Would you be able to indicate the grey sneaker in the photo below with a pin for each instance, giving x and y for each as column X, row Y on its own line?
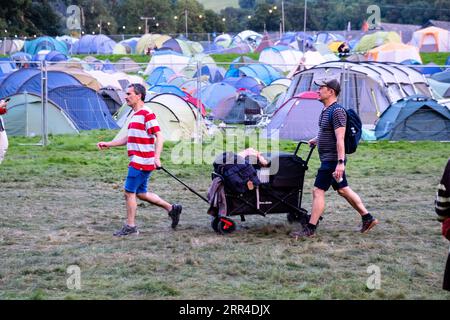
column 305, row 233
column 174, row 214
column 126, row 230
column 367, row 225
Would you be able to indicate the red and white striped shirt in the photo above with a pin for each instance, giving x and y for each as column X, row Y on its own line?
column 141, row 139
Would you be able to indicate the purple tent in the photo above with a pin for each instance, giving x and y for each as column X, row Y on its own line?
column 297, row 119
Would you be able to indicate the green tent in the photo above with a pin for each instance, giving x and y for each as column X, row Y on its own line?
column 24, row 117
column 377, row 39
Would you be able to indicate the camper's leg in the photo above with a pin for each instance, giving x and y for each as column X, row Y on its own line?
column 153, row 198
column 3, row 144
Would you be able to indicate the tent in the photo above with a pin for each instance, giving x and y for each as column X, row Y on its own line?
column 83, row 77
column 8, row 47
column 6, row 66
column 95, row 44
column 160, row 75
column 150, row 41
column 127, row 64
column 214, row 73
column 281, row 57
column 118, row 80
column 167, row 88
column 52, row 56
column 273, row 90
column 84, row 107
column 394, row 52
column 213, row 94
column 266, row 73
column 443, row 76
column 431, row 39
column 29, row 80
column 367, row 87
column 247, row 83
column 177, row 45
column 297, row 119
column 414, row 118
column 265, row 43
column 24, row 117
column 377, row 39
column 114, row 98
column 242, row 109
column 429, row 68
column 44, row 43
column 223, row 40
column 176, row 117
column 171, row 59
column 249, row 37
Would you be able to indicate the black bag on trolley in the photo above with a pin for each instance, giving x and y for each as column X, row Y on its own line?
column 239, row 175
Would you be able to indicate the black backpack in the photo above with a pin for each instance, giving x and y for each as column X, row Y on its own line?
column 353, row 129
column 236, row 172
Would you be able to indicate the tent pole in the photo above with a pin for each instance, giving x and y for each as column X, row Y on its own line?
column 44, row 103
column 199, row 102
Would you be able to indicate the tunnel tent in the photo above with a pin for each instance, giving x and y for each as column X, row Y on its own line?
column 24, row 117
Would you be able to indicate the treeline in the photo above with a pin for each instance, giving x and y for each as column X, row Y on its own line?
column 51, row 17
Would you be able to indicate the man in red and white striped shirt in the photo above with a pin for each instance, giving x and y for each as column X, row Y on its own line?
column 144, row 144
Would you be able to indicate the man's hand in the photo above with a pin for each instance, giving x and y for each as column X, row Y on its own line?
column 313, row 142
column 103, row 145
column 158, row 162
column 3, row 109
column 338, row 173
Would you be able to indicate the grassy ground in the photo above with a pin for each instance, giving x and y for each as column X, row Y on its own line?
column 61, row 203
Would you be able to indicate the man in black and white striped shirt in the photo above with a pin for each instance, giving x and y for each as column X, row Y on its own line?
column 331, row 146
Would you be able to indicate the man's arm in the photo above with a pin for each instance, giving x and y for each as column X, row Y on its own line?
column 340, row 146
column 114, row 143
column 159, row 143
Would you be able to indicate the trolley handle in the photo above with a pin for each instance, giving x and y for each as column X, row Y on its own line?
column 311, row 149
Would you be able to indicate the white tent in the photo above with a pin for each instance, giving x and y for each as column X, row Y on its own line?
column 368, row 87
column 281, row 57
column 173, row 60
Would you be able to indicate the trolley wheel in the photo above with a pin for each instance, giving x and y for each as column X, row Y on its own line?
column 226, row 225
column 215, row 223
column 293, row 217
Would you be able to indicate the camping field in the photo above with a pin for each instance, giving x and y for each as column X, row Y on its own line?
column 60, row 205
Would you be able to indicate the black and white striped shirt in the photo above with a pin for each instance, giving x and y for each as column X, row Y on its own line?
column 442, row 203
column 326, row 139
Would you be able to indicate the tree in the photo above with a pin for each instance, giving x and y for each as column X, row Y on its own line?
column 247, row 4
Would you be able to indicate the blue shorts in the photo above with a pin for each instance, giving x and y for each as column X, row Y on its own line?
column 137, row 180
column 325, row 179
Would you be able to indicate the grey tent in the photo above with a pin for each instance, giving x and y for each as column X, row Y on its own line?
column 24, row 117
column 367, row 87
column 414, row 118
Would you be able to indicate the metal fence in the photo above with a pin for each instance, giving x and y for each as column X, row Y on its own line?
column 67, row 97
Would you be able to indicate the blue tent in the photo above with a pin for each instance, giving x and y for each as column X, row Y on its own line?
column 264, row 72
column 429, row 68
column 6, row 66
column 160, row 75
column 29, row 80
column 84, row 106
column 414, row 118
column 213, row 94
column 53, row 56
column 214, row 73
column 443, row 76
column 245, row 82
column 44, row 43
column 162, row 88
column 97, row 44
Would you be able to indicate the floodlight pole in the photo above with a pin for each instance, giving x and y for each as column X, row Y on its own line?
column 186, row 21
column 282, row 17
column 146, row 25
column 304, row 26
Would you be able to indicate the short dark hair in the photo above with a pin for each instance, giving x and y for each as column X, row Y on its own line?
column 138, row 89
